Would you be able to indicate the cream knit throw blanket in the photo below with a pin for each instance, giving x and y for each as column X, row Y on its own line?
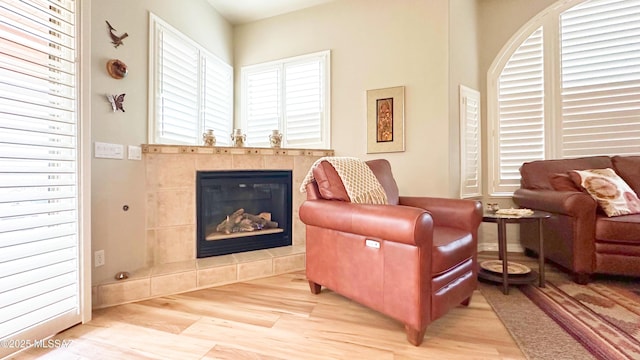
column 361, row 184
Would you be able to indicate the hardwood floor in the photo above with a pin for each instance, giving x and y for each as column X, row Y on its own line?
column 275, row 318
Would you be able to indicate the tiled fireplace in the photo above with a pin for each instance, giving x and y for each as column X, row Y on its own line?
column 171, row 226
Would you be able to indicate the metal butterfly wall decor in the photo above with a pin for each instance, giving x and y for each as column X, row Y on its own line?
column 116, row 102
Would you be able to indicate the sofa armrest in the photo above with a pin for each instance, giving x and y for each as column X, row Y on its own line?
column 385, row 222
column 456, row 213
column 570, row 203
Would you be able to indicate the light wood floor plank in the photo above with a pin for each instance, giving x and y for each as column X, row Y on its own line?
column 276, row 318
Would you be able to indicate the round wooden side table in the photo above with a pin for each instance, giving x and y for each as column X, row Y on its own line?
column 505, row 278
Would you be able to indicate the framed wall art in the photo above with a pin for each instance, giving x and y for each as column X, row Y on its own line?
column 385, row 120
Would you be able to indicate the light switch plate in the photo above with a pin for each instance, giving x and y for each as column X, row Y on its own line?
column 134, row 152
column 108, row 151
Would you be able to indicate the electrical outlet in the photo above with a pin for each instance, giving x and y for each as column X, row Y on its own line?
column 98, row 258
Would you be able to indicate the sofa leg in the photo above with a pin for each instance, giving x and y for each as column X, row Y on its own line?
column 581, row 278
column 530, row 253
column 414, row 336
column 315, row 288
column 466, row 301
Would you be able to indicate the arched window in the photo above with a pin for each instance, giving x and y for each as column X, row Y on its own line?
column 568, row 85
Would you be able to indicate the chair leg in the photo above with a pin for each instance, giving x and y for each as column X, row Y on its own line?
column 315, row 288
column 466, row 301
column 414, row 336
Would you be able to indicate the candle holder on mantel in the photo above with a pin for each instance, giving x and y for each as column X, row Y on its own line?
column 275, row 139
column 238, row 138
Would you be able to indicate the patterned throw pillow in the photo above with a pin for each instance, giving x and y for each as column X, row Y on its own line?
column 612, row 193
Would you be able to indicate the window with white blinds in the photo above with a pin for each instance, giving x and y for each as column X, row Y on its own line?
column 192, row 89
column 470, row 144
column 39, row 206
column 290, row 95
column 601, row 78
column 594, row 108
column 520, row 130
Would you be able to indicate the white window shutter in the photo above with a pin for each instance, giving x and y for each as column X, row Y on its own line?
column 39, row 217
column 303, row 103
column 263, row 104
column 290, row 95
column 470, row 143
column 191, row 90
column 177, row 108
column 218, row 105
column 521, row 135
column 601, row 79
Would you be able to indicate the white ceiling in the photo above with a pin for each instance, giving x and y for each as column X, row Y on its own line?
column 244, row 11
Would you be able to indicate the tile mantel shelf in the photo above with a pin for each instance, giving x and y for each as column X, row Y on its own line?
column 227, row 150
column 171, row 266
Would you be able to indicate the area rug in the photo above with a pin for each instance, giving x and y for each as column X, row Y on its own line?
column 603, row 316
column 564, row 320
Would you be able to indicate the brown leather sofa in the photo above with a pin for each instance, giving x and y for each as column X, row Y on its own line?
column 579, row 236
column 422, row 255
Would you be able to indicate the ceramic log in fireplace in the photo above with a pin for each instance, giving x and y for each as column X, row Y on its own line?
column 236, row 196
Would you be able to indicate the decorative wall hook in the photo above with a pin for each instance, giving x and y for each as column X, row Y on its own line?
column 116, row 102
column 117, row 69
column 115, row 39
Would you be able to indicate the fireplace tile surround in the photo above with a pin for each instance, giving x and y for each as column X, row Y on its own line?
column 171, row 264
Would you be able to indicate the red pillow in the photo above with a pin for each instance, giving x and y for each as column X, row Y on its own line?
column 329, row 182
column 563, row 182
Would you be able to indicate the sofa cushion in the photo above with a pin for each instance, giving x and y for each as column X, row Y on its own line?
column 611, row 192
column 563, row 182
column 628, row 167
column 535, row 174
column 620, row 229
column 329, row 183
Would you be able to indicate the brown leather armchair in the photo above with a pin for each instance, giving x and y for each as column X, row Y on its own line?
column 413, row 259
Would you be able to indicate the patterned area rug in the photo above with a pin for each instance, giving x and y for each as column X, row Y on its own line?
column 603, row 316
column 564, row 320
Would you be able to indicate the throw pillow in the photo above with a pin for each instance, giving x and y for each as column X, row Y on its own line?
column 329, row 183
column 611, row 192
column 562, row 182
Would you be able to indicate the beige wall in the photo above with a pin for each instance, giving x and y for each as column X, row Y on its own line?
column 116, row 183
column 374, row 44
column 463, row 70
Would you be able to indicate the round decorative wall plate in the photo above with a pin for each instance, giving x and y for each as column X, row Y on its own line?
column 117, row 69
column 513, row 268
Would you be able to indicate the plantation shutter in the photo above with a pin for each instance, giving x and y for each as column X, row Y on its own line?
column 177, row 106
column 218, row 104
column 521, row 113
column 470, row 185
column 191, row 89
column 601, row 79
column 290, row 95
column 263, row 104
column 39, row 240
column 303, row 103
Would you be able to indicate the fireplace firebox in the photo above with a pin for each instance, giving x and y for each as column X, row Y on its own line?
column 241, row 211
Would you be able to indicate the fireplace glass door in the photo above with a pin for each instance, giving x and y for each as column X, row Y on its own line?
column 241, row 211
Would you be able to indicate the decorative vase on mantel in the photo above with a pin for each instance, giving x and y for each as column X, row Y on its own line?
column 208, row 138
column 238, row 138
column 275, row 139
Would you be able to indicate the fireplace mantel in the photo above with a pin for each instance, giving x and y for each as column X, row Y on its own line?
column 171, row 261
column 226, row 150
